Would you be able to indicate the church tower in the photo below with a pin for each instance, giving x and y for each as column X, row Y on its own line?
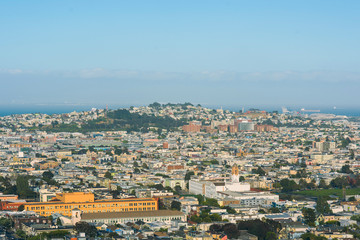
column 235, row 173
column 75, row 216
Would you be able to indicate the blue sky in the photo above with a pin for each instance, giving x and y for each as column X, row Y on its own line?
column 208, row 52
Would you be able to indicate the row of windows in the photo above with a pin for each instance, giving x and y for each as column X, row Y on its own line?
column 90, row 206
column 145, row 219
column 67, row 212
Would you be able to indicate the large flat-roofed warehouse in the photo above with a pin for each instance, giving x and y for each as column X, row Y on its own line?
column 123, row 217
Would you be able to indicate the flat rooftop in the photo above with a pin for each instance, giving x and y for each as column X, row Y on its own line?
column 96, row 201
column 159, row 213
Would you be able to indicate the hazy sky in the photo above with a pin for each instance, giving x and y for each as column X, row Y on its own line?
column 209, row 52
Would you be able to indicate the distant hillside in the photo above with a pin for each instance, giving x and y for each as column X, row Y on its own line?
column 117, row 120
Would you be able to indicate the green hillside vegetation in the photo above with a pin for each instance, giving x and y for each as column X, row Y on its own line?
column 327, row 192
column 118, row 120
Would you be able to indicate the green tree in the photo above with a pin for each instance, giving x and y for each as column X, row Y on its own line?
column 229, row 209
column 322, row 184
column 215, row 217
column 277, row 185
column 288, row 185
column 188, row 175
column 195, row 218
column 345, row 142
column 322, row 206
column 274, row 210
column 271, row 236
column 85, row 227
column 231, row 230
column 22, row 187
column 352, row 199
column 301, row 173
column 200, row 198
column 211, row 202
column 260, row 228
column 339, row 182
column 113, row 235
column 346, row 169
column 6, row 223
column 311, row 236
column 48, row 175
column 58, row 222
column 302, row 184
column 175, row 205
column 309, row 216
column 157, row 186
column 21, row 233
column 108, row 175
column 177, row 189
column 259, row 171
column 21, row 208
column 115, row 193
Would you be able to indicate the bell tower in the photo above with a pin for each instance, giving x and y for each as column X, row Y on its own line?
column 235, row 173
column 75, row 216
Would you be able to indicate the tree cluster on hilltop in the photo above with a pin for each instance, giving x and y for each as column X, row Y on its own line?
column 122, row 120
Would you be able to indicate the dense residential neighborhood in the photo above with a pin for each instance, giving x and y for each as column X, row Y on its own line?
column 179, row 171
